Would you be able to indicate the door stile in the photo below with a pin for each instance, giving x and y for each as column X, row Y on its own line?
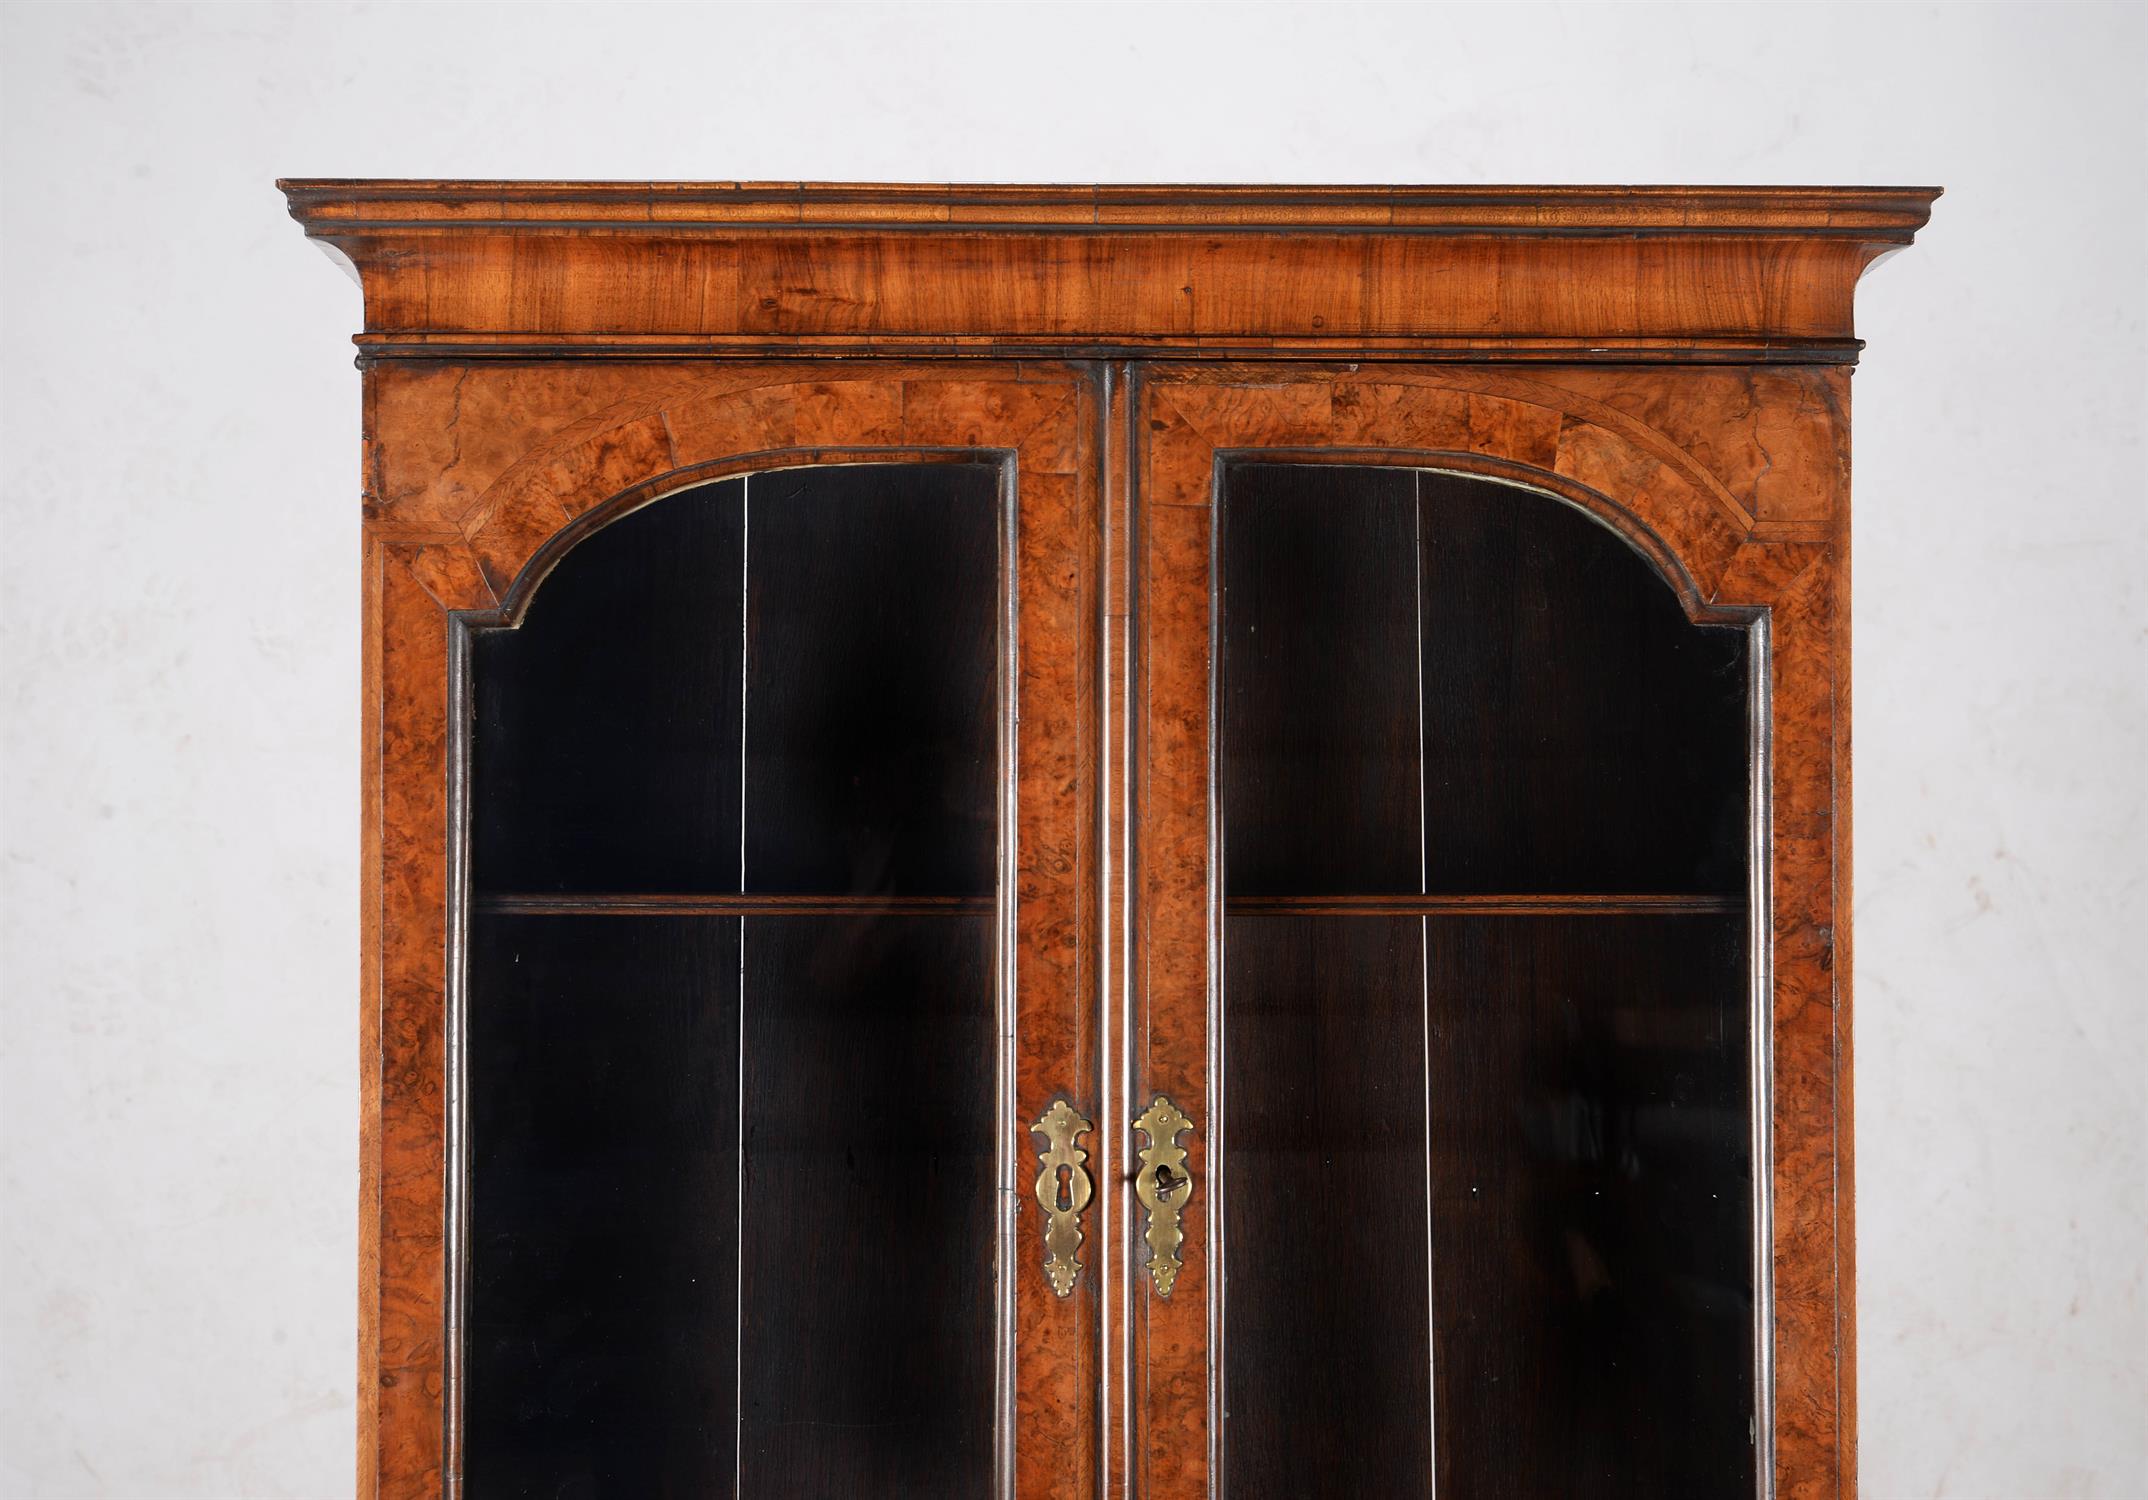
column 1174, row 967
column 1116, row 935
column 1053, row 1406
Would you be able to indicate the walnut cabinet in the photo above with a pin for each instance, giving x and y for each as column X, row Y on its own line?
column 1127, row 842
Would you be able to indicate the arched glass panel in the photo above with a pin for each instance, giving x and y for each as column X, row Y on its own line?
column 731, row 1027
column 1486, row 1131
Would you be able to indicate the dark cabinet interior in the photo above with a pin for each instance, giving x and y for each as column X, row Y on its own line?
column 1485, row 1131
column 732, row 1037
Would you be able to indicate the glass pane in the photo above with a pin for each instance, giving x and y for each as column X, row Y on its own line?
column 1591, row 1205
column 1319, row 702
column 603, row 1229
column 732, row 1022
column 1579, row 733
column 1486, row 1179
column 605, row 753
column 871, row 694
column 869, row 1206
column 1324, row 1208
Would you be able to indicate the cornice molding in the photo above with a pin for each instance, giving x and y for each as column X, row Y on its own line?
column 1891, row 213
column 464, row 270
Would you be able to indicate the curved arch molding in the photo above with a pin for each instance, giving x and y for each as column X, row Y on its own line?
column 1717, row 480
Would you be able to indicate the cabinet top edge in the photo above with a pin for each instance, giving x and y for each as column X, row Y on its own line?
column 1886, row 214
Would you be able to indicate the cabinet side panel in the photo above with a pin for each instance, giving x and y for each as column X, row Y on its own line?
column 370, row 997
column 413, row 915
column 1830, row 485
column 1812, row 1294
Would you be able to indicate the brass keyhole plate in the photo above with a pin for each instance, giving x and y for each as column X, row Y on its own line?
column 1063, row 1191
column 1163, row 1185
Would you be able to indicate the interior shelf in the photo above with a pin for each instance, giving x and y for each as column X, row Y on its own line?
column 1487, row 905
column 542, row 903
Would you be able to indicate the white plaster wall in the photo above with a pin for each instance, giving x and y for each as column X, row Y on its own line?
column 179, row 543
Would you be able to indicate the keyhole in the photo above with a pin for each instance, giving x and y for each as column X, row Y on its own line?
column 1066, row 1188
column 1164, row 1180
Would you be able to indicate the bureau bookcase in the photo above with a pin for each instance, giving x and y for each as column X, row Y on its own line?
column 1129, row 842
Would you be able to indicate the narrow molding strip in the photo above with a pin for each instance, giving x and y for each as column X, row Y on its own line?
column 463, row 348
column 1894, row 213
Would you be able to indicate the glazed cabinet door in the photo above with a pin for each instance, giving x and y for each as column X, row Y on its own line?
column 771, row 825
column 1449, row 967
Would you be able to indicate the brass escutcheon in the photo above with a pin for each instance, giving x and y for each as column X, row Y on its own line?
column 1163, row 1186
column 1063, row 1190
